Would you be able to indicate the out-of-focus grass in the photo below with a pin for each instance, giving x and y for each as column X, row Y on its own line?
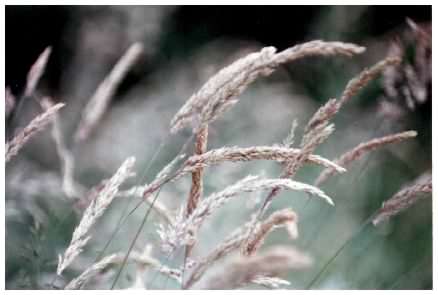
column 397, row 255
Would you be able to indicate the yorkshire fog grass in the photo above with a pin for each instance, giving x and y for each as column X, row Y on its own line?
column 247, row 254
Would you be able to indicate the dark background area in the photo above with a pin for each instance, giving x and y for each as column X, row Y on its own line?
column 30, row 29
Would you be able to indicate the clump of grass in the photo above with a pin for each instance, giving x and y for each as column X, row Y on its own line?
column 250, row 265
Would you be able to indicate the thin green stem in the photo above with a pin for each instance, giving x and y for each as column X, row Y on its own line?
column 131, row 246
column 122, row 220
column 336, row 254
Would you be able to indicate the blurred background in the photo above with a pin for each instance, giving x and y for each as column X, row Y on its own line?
column 183, row 47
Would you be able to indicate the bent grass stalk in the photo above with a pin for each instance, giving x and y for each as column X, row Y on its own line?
column 36, row 125
column 36, row 71
column 405, row 198
column 363, row 148
column 99, row 102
